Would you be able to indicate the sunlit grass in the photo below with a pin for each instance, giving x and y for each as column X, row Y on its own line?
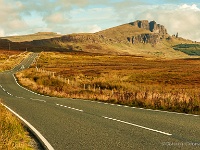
column 12, row 132
column 9, row 59
column 135, row 81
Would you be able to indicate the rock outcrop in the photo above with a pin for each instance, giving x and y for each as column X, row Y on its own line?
column 144, row 38
column 158, row 32
column 151, row 26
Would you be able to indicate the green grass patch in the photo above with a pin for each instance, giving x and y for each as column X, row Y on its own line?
column 190, row 49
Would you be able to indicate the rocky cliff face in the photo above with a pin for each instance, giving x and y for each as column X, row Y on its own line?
column 151, row 26
column 144, row 38
column 158, row 32
column 130, row 33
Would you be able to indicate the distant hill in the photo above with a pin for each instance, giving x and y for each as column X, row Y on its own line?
column 140, row 37
column 31, row 37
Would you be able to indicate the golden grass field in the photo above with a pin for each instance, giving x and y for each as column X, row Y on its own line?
column 12, row 132
column 172, row 85
column 8, row 59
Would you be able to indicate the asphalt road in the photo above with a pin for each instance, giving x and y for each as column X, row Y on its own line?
column 76, row 124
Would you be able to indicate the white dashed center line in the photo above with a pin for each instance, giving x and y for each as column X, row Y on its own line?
column 139, row 126
column 20, row 97
column 38, row 100
column 70, row 108
column 9, row 94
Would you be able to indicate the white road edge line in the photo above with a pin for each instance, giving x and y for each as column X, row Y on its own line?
column 155, row 110
column 114, row 105
column 28, row 89
column 143, row 127
column 38, row 134
column 146, row 109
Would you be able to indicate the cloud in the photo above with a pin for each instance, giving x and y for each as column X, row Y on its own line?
column 10, row 18
column 189, row 7
column 2, row 34
column 72, row 16
column 183, row 19
column 94, row 28
column 55, row 18
column 174, row 15
column 89, row 20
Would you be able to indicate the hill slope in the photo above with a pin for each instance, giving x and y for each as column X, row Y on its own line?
column 136, row 38
column 190, row 49
column 31, row 37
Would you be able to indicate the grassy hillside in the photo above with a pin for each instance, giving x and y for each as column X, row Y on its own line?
column 116, row 40
column 190, row 49
column 120, row 33
column 112, row 41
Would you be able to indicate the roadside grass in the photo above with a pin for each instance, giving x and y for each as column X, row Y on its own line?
column 12, row 132
column 8, row 59
column 172, row 85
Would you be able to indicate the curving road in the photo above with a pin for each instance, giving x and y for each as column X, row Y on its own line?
column 90, row 125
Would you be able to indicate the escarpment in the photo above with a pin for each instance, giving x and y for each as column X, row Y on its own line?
column 157, row 32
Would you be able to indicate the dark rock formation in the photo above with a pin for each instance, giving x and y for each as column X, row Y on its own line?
column 158, row 32
column 157, row 28
column 144, row 38
column 151, row 26
column 177, row 35
column 144, row 24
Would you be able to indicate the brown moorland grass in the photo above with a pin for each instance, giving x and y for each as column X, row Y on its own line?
column 12, row 132
column 8, row 59
column 172, row 85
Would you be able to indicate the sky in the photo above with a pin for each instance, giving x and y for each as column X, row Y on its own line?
column 20, row 17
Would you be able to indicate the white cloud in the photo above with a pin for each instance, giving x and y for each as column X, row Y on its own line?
column 2, row 34
column 10, row 18
column 55, row 18
column 189, row 7
column 183, row 19
column 16, row 24
column 72, row 16
column 94, row 28
column 84, row 18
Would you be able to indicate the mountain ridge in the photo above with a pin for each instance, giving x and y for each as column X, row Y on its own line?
column 31, row 37
column 140, row 37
